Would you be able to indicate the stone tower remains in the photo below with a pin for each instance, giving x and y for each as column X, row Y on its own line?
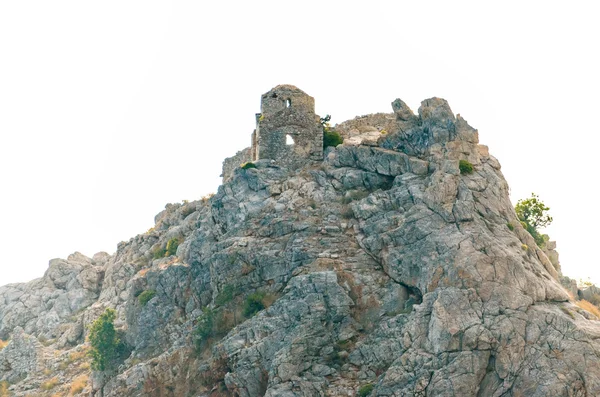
column 287, row 129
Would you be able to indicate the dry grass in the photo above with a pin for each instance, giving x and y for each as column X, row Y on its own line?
column 214, row 378
column 269, row 299
column 76, row 356
column 206, row 198
column 3, row 344
column 84, row 366
column 588, row 306
column 49, row 384
column 4, row 389
column 247, row 269
column 78, row 385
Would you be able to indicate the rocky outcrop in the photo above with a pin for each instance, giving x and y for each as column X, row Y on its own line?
column 383, row 267
column 50, row 308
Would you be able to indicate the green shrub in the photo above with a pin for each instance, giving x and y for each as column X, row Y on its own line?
column 533, row 214
column 106, row 344
column 254, row 303
column 331, row 138
column 145, row 296
column 248, row 165
column 365, row 390
column 204, row 328
column 465, row 167
column 212, row 324
column 510, row 226
column 172, row 245
column 159, row 253
column 226, row 295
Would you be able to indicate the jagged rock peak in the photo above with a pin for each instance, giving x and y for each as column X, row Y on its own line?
column 378, row 266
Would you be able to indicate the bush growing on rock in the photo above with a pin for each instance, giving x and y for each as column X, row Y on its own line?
column 172, row 245
column 248, row 165
column 465, row 167
column 170, row 249
column 533, row 214
column 205, row 326
column 365, row 390
column 331, row 138
column 107, row 346
column 254, row 303
column 226, row 295
column 212, row 324
column 145, row 296
column 158, row 253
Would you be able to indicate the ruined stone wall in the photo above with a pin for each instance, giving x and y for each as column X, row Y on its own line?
column 288, row 114
column 231, row 163
column 283, row 96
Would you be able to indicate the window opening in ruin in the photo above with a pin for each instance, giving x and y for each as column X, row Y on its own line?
column 288, row 103
column 289, row 140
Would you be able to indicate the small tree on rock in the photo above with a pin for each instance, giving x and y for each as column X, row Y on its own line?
column 107, row 346
column 533, row 214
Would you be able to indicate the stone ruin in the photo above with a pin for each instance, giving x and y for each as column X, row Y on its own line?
column 288, row 131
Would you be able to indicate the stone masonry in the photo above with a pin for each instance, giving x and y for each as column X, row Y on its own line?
column 287, row 132
column 287, row 115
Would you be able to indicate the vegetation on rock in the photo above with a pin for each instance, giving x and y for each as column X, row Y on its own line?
column 172, row 245
column 145, row 296
column 226, row 295
column 170, row 249
column 248, row 165
column 588, row 306
column 204, row 329
column 212, row 324
column 533, row 214
column 465, row 167
column 330, row 136
column 4, row 389
column 78, row 385
column 159, row 253
column 254, row 303
column 365, row 390
column 49, row 384
column 107, row 346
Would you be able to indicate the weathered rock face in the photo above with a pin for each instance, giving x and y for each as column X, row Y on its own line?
column 382, row 266
column 49, row 308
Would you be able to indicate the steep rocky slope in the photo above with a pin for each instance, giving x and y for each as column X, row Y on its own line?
column 382, row 268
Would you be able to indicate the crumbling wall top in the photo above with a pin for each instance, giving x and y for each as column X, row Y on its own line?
column 286, row 96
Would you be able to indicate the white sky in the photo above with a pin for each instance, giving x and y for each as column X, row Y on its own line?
column 109, row 110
